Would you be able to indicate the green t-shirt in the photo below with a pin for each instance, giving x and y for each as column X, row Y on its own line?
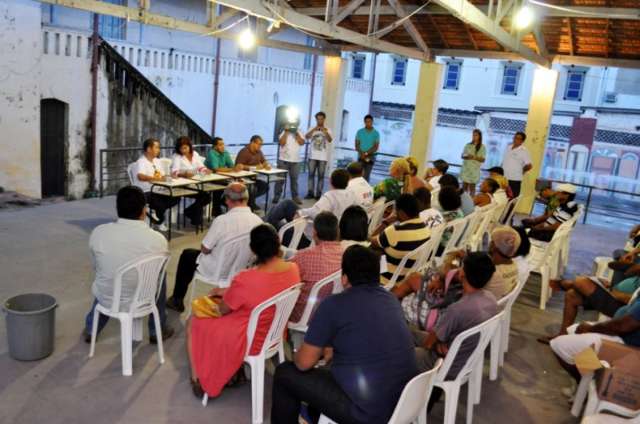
column 628, row 285
column 217, row 160
column 367, row 138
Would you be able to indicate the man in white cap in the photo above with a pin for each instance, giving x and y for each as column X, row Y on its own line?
column 543, row 227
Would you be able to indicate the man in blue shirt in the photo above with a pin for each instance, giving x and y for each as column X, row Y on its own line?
column 367, row 143
column 363, row 334
column 624, row 328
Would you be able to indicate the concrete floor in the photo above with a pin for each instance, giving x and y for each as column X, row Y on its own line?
column 44, row 249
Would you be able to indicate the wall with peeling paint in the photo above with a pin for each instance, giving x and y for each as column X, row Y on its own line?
column 20, row 72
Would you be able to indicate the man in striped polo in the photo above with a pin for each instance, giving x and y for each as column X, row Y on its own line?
column 401, row 238
column 543, row 227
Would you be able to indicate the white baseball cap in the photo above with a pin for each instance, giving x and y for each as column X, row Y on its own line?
column 567, row 188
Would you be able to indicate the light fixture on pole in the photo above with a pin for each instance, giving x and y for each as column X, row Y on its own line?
column 246, row 39
column 523, row 18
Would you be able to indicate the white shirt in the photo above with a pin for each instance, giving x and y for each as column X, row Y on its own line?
column 319, row 144
column 290, row 152
column 146, row 167
column 238, row 221
column 434, row 182
column 500, row 197
column 432, row 217
column 361, row 191
column 334, row 201
column 113, row 245
column 513, row 162
column 180, row 164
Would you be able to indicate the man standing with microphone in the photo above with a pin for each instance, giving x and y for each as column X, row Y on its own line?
column 319, row 138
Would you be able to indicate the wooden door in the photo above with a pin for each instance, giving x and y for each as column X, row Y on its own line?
column 53, row 136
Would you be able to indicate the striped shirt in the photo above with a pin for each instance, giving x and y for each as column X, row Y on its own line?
column 562, row 213
column 398, row 240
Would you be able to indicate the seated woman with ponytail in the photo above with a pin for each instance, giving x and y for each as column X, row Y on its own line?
column 399, row 181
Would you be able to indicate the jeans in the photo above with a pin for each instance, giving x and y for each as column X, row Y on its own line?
column 320, row 166
column 515, row 187
column 294, row 169
column 184, row 274
column 316, row 387
column 103, row 319
column 367, row 167
column 160, row 204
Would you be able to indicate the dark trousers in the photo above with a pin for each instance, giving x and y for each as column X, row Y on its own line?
column 515, row 187
column 194, row 212
column 160, row 204
column 316, row 387
column 184, row 274
column 367, row 167
column 103, row 319
column 259, row 188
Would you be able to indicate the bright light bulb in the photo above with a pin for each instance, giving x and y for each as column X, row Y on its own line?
column 246, row 39
column 523, row 17
column 292, row 115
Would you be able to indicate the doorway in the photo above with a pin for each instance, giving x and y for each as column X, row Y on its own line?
column 53, row 137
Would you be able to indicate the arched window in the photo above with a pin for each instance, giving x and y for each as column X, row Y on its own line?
column 628, row 165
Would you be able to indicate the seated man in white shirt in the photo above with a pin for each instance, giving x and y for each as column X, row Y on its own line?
column 237, row 221
column 335, row 201
column 430, row 215
column 113, row 245
column 358, row 186
column 148, row 170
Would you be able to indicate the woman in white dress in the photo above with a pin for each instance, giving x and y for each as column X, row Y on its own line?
column 187, row 163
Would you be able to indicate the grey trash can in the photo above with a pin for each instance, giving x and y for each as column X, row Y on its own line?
column 30, row 325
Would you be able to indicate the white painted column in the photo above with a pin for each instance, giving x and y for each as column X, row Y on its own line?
column 543, row 93
column 426, row 111
column 333, row 89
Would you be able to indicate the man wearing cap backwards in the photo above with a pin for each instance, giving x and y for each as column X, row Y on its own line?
column 237, row 221
column 543, row 227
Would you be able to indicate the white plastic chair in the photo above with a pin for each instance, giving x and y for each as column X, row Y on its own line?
column 283, row 304
column 500, row 341
column 413, row 402
column 488, row 216
column 420, row 257
column 566, row 244
column 376, row 213
column 470, row 373
column 130, row 173
column 596, row 405
column 458, row 231
column 298, row 225
column 510, row 210
column 303, row 324
column 601, row 267
column 150, row 270
column 232, row 256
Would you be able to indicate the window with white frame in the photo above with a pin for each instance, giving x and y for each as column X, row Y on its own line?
column 575, row 84
column 357, row 69
column 511, row 78
column 452, row 74
column 399, row 71
column 308, row 57
column 110, row 26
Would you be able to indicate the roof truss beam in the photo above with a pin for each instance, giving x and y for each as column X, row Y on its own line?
column 296, row 19
column 409, row 26
column 540, row 43
column 346, row 11
column 169, row 22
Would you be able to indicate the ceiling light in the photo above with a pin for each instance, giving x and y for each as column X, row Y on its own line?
column 523, row 17
column 246, row 39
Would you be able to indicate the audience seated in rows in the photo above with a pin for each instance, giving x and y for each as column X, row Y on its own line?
column 497, row 173
column 466, row 201
column 431, row 216
column 449, row 205
column 403, row 237
column 415, row 181
column 543, row 227
column 186, row 163
column 432, row 175
column 487, row 191
column 147, row 170
column 475, row 306
column 117, row 243
column 318, row 261
column 354, row 227
column 237, row 221
column 335, row 201
column 251, row 157
column 217, row 346
column 361, row 332
column 398, row 182
column 358, row 186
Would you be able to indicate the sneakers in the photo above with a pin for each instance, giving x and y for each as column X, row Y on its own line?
column 297, row 200
column 167, row 332
column 173, row 304
column 161, row 227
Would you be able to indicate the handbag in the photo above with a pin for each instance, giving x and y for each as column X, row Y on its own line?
column 206, row 307
column 434, row 303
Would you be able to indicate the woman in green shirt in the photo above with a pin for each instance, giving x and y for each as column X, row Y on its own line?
column 398, row 182
column 473, row 156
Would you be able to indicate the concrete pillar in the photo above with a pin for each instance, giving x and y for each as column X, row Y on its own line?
column 426, row 112
column 543, row 93
column 333, row 89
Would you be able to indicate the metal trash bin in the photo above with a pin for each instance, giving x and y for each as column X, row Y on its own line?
column 30, row 325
